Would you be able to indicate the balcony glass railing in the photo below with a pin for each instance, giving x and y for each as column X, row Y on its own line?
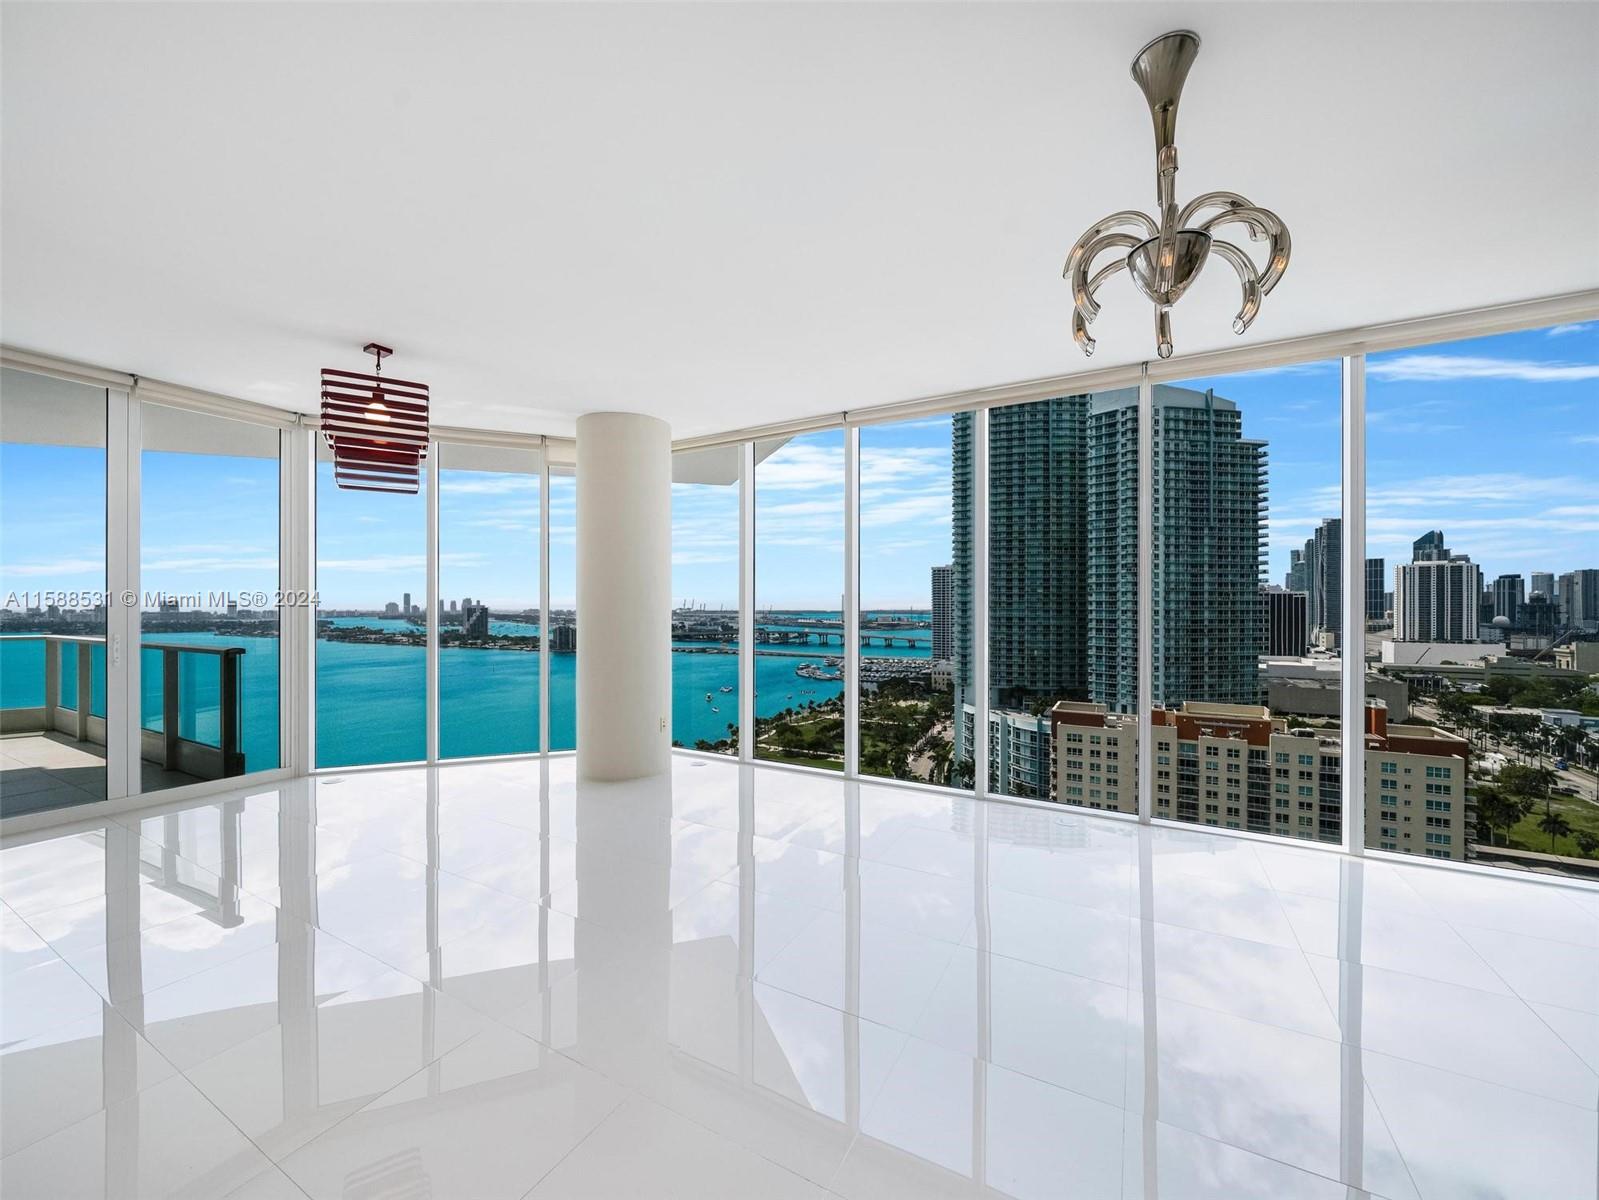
column 192, row 697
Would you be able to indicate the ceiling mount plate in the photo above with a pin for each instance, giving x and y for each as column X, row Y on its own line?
column 378, row 352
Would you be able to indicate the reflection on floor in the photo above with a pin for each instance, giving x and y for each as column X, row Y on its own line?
column 40, row 771
column 483, row 980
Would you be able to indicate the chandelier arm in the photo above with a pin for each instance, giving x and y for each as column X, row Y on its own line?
column 1248, row 277
column 1082, row 293
column 1206, row 200
column 1085, row 340
column 1128, row 216
column 1163, row 342
column 1262, row 223
column 1080, row 332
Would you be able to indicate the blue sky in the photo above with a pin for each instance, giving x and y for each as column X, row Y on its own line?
column 1494, row 440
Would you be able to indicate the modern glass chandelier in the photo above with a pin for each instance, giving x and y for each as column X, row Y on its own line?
column 1167, row 254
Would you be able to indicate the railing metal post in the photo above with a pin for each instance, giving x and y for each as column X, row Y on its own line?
column 232, row 760
column 85, row 688
column 52, row 682
column 169, row 708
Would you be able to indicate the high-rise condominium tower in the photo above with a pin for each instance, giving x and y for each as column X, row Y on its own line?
column 1376, row 597
column 1429, row 547
column 1324, row 577
column 1063, row 551
column 1579, row 599
column 1287, row 629
column 1298, row 577
column 943, row 613
column 1508, row 597
column 1436, row 600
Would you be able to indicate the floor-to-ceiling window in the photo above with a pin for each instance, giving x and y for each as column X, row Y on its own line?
column 53, row 587
column 209, row 573
column 1482, row 505
column 799, row 588
column 705, row 534
column 1247, row 554
column 371, row 632
column 562, row 640
column 489, row 636
column 1062, row 600
column 914, row 523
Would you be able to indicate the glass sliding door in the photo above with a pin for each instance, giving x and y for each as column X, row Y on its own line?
column 371, row 632
column 1490, row 591
column 53, row 587
column 489, row 636
column 1248, row 601
column 209, row 572
column 911, row 531
column 562, row 642
column 705, row 589
column 799, row 588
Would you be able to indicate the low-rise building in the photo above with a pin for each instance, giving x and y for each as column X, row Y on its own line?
column 1582, row 657
column 1096, row 757
column 1237, row 766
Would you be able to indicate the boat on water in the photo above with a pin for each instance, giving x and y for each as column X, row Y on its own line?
column 707, row 697
column 714, row 709
column 726, row 689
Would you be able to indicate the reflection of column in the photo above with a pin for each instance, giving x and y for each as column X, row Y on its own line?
column 1351, row 1072
column 119, row 1061
column 231, row 817
column 852, row 954
column 747, row 933
column 624, row 596
column 297, row 952
column 546, row 1020
column 985, row 1006
column 624, row 943
column 435, row 952
column 1146, row 962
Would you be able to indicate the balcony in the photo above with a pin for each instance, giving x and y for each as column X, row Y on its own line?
column 53, row 752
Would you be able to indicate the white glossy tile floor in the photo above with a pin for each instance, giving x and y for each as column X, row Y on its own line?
column 486, row 981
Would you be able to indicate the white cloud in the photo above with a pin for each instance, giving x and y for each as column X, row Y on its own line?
column 63, row 566
column 1563, row 330
column 1437, row 368
column 472, row 483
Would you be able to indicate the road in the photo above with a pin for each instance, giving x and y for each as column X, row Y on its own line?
column 1582, row 781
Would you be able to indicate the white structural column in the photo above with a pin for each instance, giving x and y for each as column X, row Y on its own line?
column 624, row 597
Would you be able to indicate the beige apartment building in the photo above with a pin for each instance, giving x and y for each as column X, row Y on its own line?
column 1238, row 767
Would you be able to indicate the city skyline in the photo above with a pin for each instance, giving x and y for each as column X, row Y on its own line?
column 1437, row 457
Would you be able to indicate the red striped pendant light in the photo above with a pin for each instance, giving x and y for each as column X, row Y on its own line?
column 377, row 428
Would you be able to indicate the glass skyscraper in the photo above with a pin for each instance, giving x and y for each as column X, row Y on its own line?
column 1063, row 552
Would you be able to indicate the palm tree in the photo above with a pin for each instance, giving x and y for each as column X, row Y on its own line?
column 1555, row 825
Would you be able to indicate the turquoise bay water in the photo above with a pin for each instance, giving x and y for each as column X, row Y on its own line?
column 371, row 699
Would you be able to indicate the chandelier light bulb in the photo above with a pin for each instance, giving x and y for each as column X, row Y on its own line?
column 1169, row 251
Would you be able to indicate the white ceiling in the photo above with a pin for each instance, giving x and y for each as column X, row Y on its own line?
column 724, row 214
